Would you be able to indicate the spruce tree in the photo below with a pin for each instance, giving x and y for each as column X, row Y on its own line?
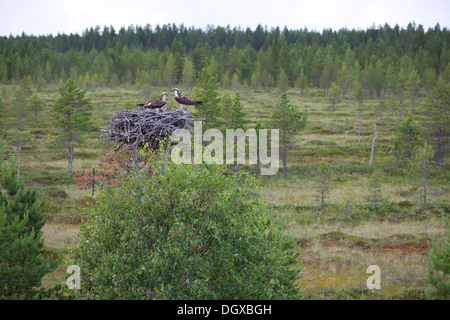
column 23, row 262
column 210, row 109
column 237, row 120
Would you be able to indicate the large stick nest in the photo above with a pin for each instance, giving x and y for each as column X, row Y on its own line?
column 139, row 126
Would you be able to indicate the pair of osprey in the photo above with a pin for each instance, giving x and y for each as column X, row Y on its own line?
column 162, row 103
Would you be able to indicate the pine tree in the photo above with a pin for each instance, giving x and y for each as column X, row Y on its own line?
column 334, row 95
column 392, row 103
column 301, row 82
column 22, row 257
column 36, row 104
column 420, row 167
column 400, row 85
column 412, row 83
column 283, row 81
column 407, row 139
column 72, row 117
column 19, row 104
column 359, row 95
column 437, row 108
column 374, row 197
column 290, row 122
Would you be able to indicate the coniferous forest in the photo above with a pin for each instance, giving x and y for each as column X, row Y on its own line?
column 382, row 59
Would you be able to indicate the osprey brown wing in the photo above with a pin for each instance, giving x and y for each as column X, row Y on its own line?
column 186, row 101
column 154, row 104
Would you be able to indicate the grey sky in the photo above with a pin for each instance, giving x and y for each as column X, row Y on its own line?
column 42, row 17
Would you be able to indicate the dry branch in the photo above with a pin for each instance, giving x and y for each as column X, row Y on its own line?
column 139, row 126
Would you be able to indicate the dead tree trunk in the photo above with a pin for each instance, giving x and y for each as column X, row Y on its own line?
column 373, row 143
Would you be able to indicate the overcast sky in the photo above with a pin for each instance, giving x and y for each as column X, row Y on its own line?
column 43, row 17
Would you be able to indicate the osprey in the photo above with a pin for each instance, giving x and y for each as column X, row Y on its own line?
column 182, row 100
column 157, row 103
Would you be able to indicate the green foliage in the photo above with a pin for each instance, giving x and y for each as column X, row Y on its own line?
column 106, row 57
column 19, row 107
column 420, row 167
column 283, row 81
column 2, row 108
column 392, row 103
column 210, row 109
column 412, row 83
column 189, row 232
column 290, row 122
column 302, row 82
column 237, row 120
column 19, row 138
column 438, row 277
column 23, row 262
column 407, row 139
column 227, row 104
column 375, row 197
column 359, row 95
column 437, row 108
column 72, row 113
column 349, row 207
column 335, row 94
column 36, row 103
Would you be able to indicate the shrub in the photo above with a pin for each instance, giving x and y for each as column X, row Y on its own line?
column 189, row 232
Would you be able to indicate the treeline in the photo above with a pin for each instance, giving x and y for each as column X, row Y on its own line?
column 382, row 60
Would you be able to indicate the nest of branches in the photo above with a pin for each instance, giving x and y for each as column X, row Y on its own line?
column 137, row 127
